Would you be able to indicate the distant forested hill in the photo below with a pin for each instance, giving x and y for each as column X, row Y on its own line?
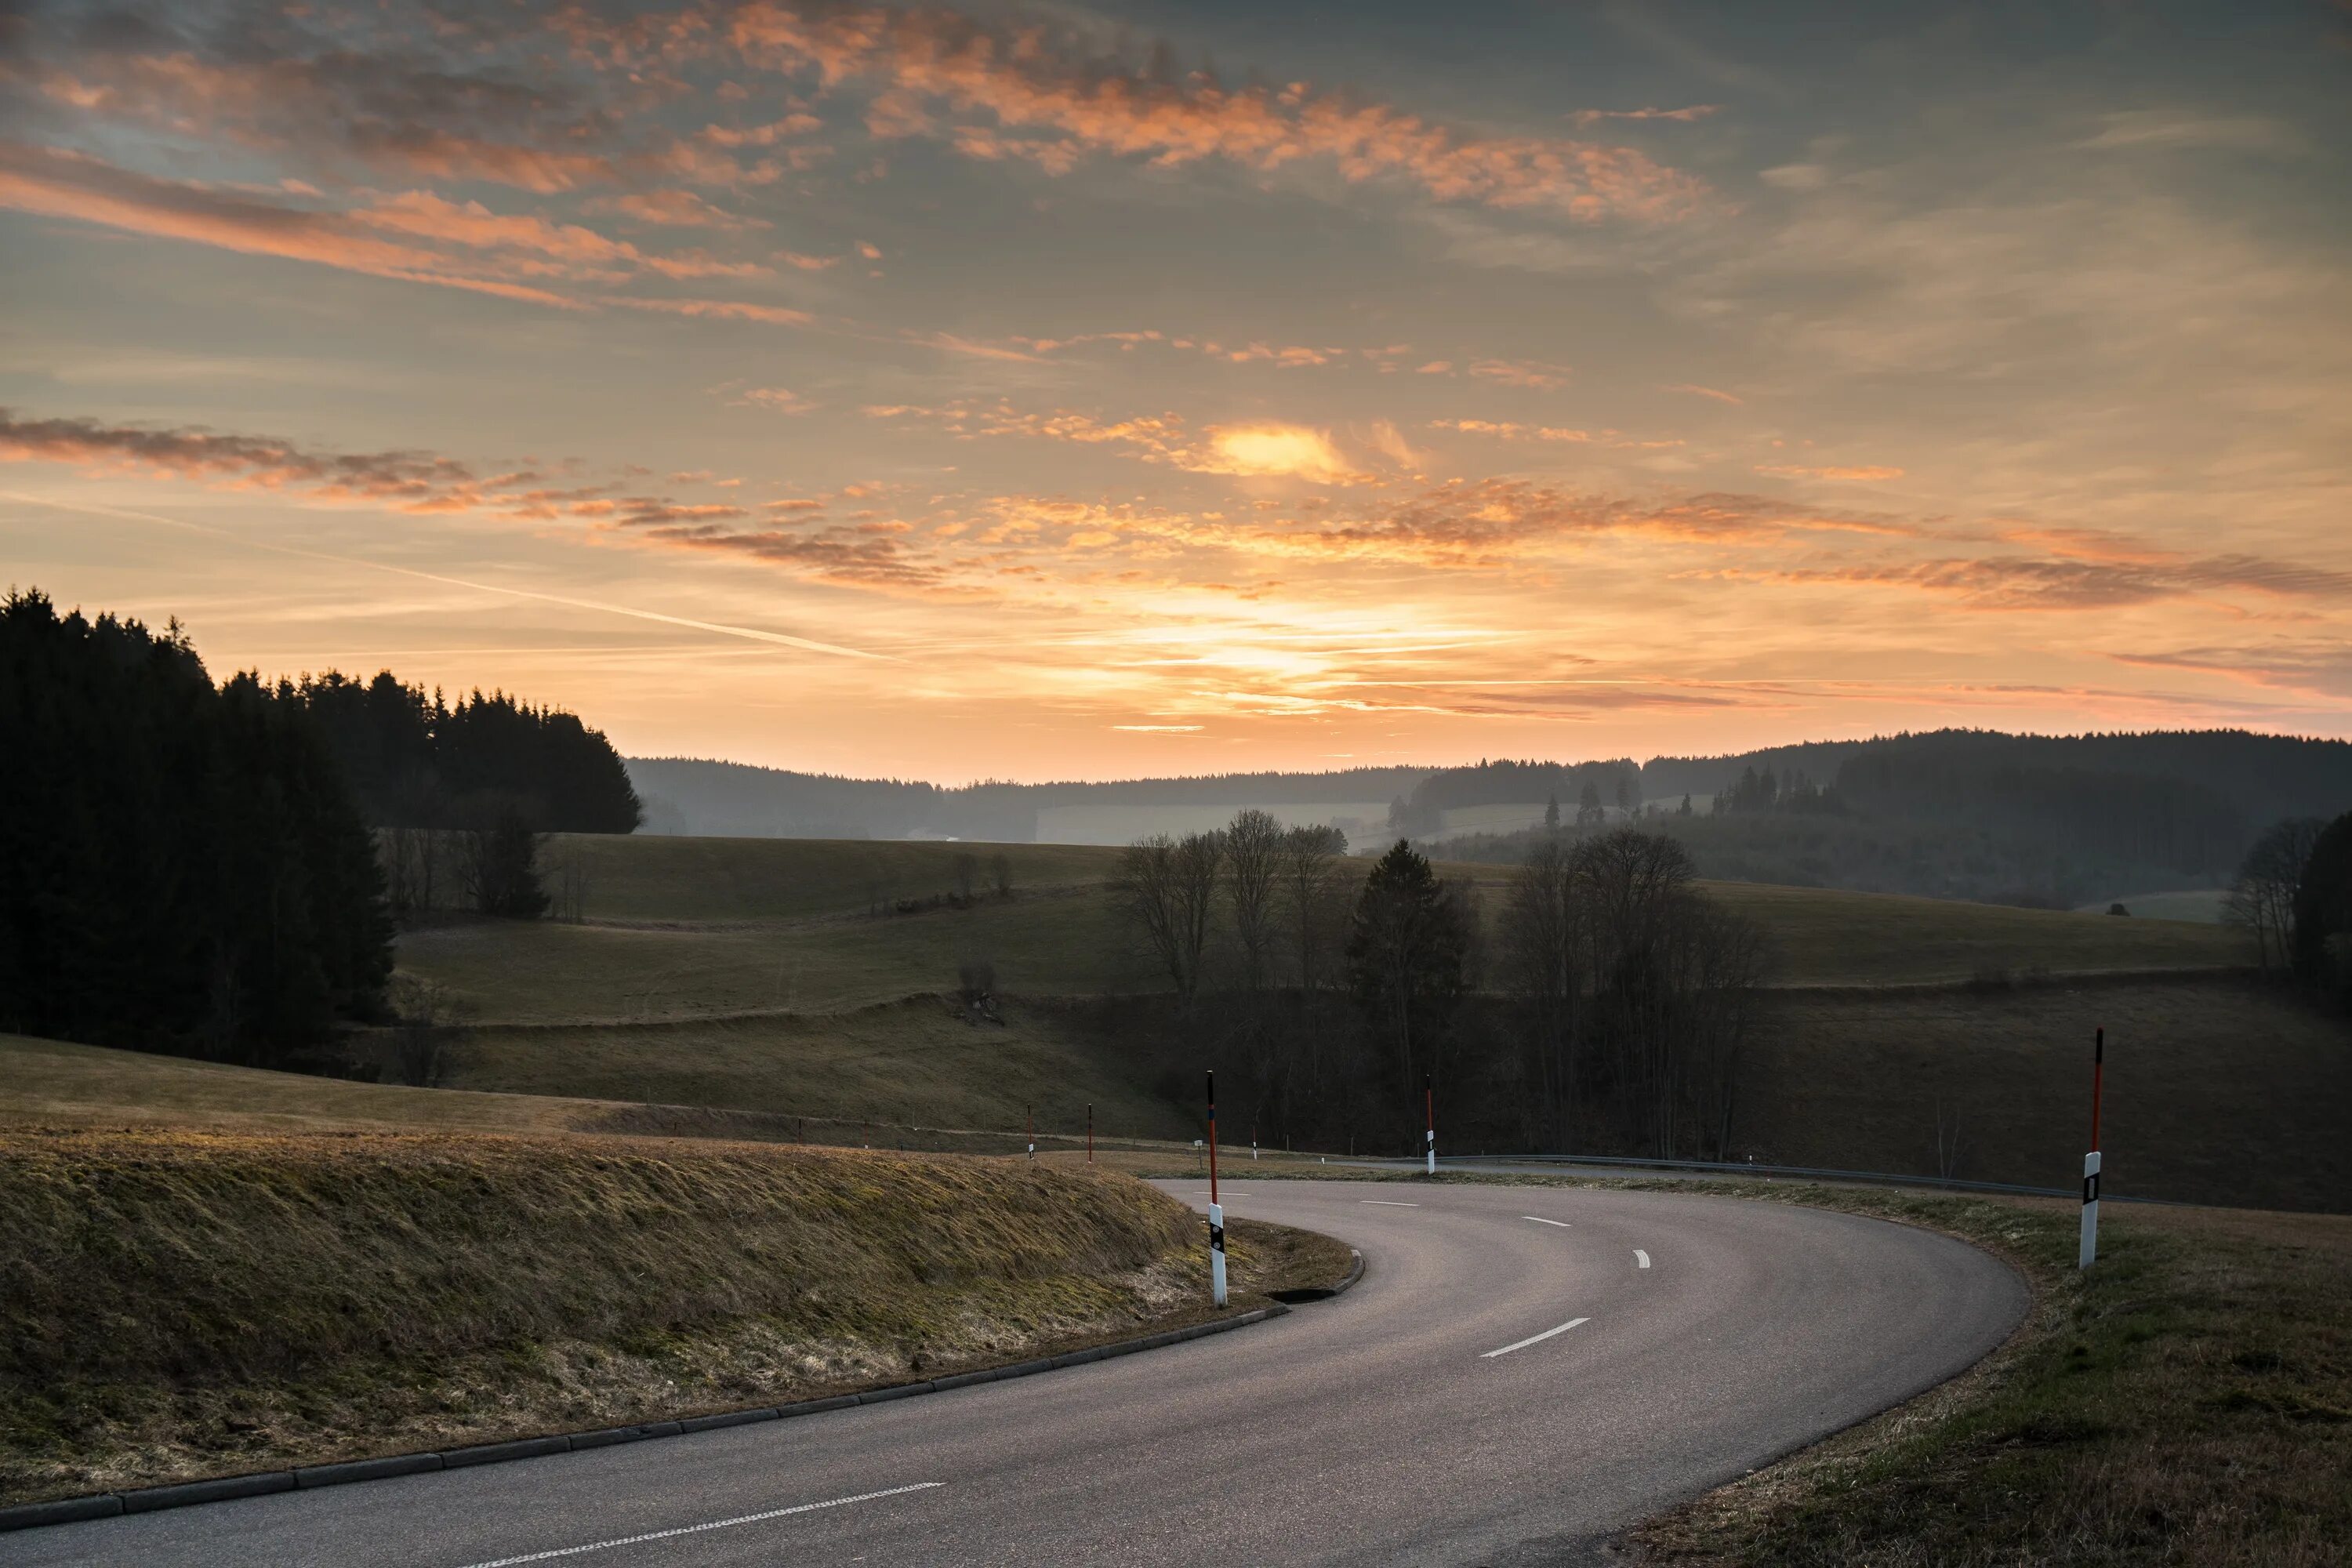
column 2031, row 819
column 1977, row 814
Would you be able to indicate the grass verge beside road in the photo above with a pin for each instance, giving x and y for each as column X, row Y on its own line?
column 177, row 1304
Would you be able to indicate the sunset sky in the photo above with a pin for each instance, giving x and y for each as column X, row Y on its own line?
column 1088, row 391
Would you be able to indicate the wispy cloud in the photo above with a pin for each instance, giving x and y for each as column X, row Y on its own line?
column 2161, row 130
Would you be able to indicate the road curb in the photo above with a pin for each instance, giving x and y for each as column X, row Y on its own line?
column 182, row 1494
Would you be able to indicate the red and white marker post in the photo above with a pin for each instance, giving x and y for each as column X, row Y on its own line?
column 1429, row 1109
column 1216, row 1210
column 2090, row 1250
column 1090, row 1132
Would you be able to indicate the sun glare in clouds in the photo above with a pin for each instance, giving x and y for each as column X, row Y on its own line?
column 1290, row 451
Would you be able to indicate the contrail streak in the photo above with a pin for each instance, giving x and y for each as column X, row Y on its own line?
column 782, row 639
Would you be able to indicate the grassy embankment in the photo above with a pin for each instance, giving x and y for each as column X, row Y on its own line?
column 176, row 1304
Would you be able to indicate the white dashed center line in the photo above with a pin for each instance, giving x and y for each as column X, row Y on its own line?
column 1641, row 1258
column 1533, row 1339
column 1541, row 1220
column 714, row 1524
column 1388, row 1203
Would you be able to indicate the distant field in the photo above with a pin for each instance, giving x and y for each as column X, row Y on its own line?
column 1050, row 944
column 659, row 878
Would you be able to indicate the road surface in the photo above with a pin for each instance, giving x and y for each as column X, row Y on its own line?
column 1521, row 1372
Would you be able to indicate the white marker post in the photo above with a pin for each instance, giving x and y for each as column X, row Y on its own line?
column 1429, row 1107
column 1033, row 1133
column 1216, row 1210
column 2090, row 1250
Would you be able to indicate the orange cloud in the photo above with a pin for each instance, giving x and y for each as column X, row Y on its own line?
column 672, row 209
column 1532, row 373
column 1509, row 431
column 58, row 183
column 717, row 310
column 1291, row 450
column 1793, row 471
column 2025, row 583
column 415, row 237
column 1028, row 79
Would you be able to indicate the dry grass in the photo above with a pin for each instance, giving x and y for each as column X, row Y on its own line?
column 175, row 1304
column 52, row 1082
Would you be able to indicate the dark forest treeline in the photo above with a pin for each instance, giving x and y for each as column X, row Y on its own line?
column 183, row 867
column 416, row 761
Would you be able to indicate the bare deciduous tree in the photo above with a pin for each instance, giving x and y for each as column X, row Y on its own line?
column 1542, row 958
column 1168, row 888
column 1253, row 849
column 1608, row 947
column 2262, row 900
column 1313, row 897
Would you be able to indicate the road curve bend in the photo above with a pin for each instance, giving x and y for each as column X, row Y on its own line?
column 1521, row 1372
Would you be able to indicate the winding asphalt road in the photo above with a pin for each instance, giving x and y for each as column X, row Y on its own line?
column 1439, row 1413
